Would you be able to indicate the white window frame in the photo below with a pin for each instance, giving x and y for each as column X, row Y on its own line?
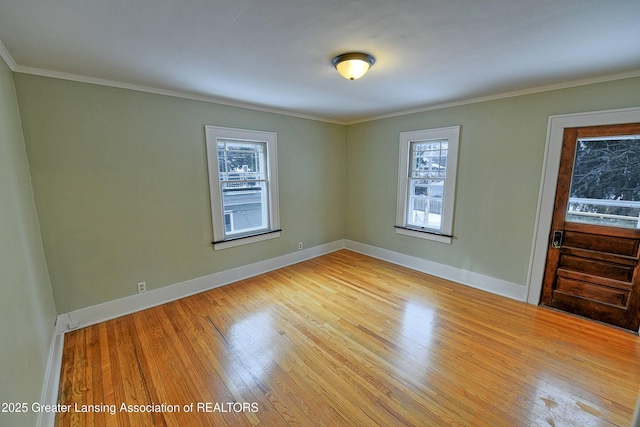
column 444, row 233
column 220, row 238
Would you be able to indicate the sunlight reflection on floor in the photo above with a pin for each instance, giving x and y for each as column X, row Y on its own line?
column 416, row 334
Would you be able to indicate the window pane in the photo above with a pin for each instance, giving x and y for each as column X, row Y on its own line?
column 242, row 166
column 605, row 187
column 425, row 203
column 245, row 207
column 428, row 159
column 241, row 160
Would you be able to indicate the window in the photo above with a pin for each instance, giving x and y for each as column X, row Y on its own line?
column 243, row 184
column 427, row 182
column 605, row 184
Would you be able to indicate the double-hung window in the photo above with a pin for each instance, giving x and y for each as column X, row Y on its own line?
column 243, row 182
column 427, row 182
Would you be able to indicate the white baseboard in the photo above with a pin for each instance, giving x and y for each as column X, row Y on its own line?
column 51, row 381
column 133, row 303
column 464, row 277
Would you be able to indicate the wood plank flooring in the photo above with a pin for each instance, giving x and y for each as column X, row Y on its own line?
column 348, row 340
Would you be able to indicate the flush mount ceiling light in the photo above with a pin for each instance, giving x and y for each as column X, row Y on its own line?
column 353, row 65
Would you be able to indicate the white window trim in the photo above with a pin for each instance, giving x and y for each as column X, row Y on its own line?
column 452, row 134
column 212, row 134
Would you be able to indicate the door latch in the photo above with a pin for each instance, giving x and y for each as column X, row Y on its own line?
column 556, row 242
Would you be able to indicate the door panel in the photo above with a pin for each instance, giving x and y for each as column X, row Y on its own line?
column 592, row 262
column 583, row 289
column 610, row 244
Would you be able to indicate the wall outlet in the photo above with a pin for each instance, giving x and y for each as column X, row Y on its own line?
column 142, row 287
column 299, row 245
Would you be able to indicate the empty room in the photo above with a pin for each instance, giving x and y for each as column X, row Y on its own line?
column 266, row 213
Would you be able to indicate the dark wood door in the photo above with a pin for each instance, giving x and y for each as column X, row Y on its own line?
column 592, row 261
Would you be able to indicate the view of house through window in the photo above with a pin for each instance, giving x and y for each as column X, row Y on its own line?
column 243, row 177
column 426, row 183
column 243, row 184
column 605, row 186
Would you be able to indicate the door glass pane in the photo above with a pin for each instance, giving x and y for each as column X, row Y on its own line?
column 605, row 187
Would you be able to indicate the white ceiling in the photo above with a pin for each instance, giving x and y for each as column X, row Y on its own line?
column 276, row 54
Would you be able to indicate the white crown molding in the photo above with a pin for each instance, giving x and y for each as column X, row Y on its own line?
column 166, row 92
column 6, row 56
column 504, row 95
column 222, row 101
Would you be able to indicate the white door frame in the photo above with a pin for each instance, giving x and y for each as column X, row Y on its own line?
column 546, row 197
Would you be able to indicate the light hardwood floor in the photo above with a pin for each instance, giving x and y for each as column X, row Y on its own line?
column 348, row 340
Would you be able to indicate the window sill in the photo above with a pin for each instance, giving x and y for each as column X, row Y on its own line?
column 225, row 244
column 427, row 235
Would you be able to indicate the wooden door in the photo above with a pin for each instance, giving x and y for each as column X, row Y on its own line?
column 592, row 261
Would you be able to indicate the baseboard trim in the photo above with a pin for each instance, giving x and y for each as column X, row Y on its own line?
column 464, row 277
column 52, row 380
column 134, row 303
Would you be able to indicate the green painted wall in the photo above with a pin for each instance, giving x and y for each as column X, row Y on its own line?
column 499, row 171
column 120, row 182
column 27, row 311
column 121, row 187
